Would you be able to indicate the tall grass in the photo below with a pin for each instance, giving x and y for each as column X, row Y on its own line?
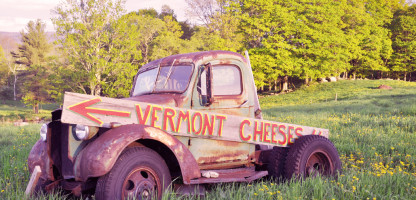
column 15, row 145
column 373, row 130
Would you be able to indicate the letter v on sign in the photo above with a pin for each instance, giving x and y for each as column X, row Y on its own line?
column 84, row 110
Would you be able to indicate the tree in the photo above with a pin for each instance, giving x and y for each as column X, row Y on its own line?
column 220, row 29
column 403, row 29
column 295, row 38
column 33, row 54
column 100, row 47
column 366, row 25
column 168, row 41
column 203, row 10
column 3, row 68
column 35, row 45
column 5, row 90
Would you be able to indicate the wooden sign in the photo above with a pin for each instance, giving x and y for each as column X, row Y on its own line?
column 101, row 111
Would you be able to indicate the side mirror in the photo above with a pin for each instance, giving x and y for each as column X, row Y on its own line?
column 204, row 86
column 208, row 69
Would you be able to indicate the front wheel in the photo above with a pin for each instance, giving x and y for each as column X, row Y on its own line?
column 312, row 155
column 139, row 173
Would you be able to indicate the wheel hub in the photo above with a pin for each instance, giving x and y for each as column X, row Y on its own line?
column 318, row 163
column 141, row 183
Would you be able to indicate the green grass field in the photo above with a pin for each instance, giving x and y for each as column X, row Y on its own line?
column 373, row 130
column 11, row 111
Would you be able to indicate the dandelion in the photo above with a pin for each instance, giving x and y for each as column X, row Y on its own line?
column 2, row 191
column 255, row 194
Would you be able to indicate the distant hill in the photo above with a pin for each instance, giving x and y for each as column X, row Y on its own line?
column 10, row 40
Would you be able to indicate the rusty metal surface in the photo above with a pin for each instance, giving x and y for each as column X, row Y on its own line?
column 212, row 154
column 247, row 174
column 98, row 157
column 261, row 157
column 39, row 156
column 167, row 99
column 193, row 58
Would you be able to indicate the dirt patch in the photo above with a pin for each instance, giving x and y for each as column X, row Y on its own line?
column 384, row 87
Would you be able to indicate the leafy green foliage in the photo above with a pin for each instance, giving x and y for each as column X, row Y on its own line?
column 35, row 45
column 404, row 36
column 32, row 53
column 3, row 68
column 99, row 45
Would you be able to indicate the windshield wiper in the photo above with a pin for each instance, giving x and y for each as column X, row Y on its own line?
column 169, row 73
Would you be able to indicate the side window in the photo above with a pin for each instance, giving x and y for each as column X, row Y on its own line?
column 226, row 80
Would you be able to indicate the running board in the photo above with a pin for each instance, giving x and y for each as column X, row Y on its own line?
column 231, row 175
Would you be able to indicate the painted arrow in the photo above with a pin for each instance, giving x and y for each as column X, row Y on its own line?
column 84, row 109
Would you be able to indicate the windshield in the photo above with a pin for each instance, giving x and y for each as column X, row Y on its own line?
column 170, row 79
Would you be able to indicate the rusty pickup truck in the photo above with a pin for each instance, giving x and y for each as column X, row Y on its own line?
column 191, row 119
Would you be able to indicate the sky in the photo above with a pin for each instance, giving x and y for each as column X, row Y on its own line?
column 15, row 14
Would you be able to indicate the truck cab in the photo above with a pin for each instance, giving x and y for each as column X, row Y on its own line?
column 217, row 81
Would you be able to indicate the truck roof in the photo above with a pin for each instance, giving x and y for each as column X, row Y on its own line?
column 194, row 58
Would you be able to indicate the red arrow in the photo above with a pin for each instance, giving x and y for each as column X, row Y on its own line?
column 84, row 110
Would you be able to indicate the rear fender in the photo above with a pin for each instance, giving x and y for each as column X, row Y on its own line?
column 99, row 156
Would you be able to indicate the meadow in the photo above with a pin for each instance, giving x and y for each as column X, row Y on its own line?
column 373, row 130
column 17, row 111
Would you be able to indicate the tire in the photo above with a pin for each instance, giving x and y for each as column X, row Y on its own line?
column 139, row 173
column 277, row 161
column 312, row 155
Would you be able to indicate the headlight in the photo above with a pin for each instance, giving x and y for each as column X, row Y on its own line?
column 81, row 131
column 85, row 132
column 43, row 131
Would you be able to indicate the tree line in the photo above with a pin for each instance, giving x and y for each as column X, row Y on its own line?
column 99, row 47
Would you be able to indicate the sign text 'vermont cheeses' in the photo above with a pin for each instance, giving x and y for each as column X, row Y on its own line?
column 100, row 110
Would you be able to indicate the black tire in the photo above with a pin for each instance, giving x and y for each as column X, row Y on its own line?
column 310, row 155
column 139, row 173
column 277, row 161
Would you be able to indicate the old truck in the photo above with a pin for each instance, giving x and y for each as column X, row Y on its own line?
column 193, row 118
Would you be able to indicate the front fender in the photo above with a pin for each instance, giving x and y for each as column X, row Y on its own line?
column 99, row 156
column 39, row 156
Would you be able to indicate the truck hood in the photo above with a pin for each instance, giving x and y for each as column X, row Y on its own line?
column 171, row 100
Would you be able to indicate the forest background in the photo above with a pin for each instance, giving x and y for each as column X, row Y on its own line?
column 98, row 47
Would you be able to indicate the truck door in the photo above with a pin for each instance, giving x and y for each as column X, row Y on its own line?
column 228, row 91
column 228, row 97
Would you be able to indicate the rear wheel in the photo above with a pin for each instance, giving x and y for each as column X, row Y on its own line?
column 312, row 155
column 139, row 173
column 277, row 162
